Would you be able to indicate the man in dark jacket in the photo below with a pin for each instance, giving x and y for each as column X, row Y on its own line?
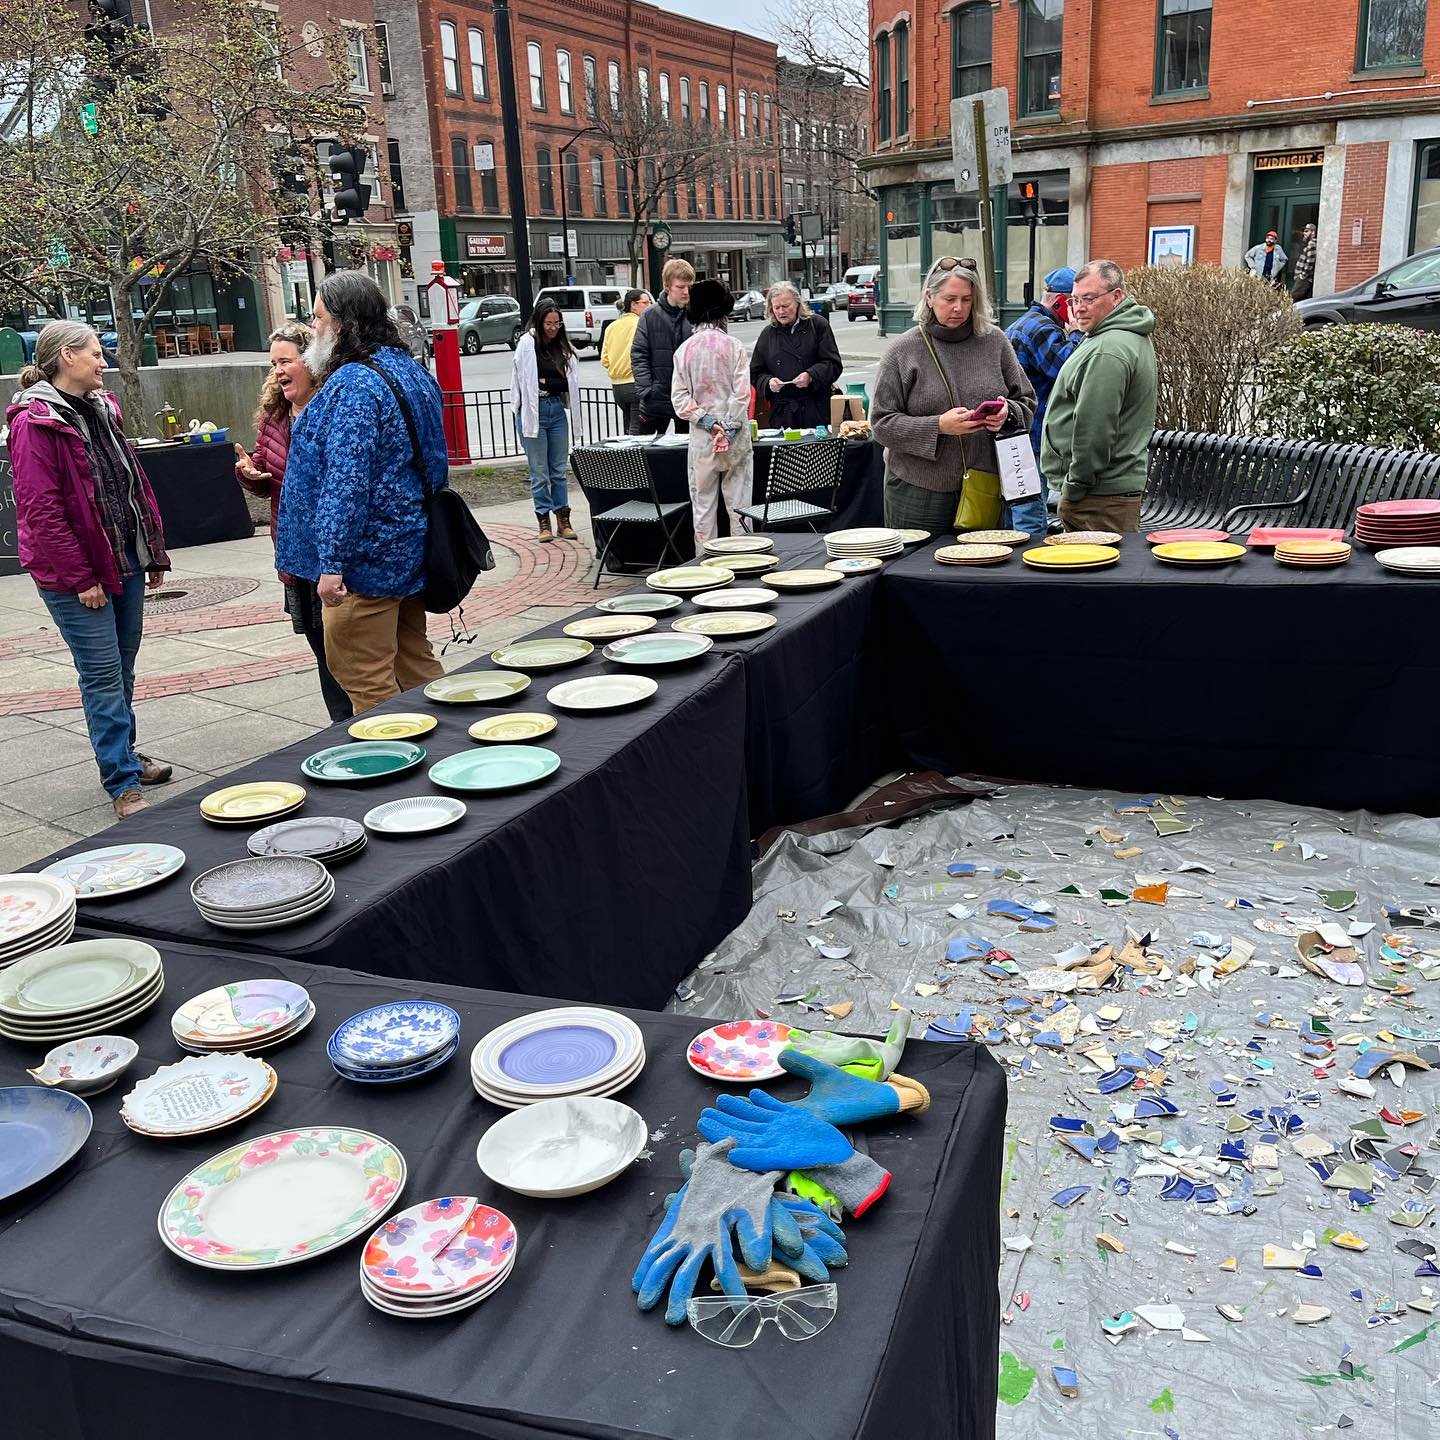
column 662, row 329
column 1305, row 267
column 796, row 360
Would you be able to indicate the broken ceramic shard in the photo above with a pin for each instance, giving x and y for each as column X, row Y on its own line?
column 1162, row 1317
column 1310, row 1314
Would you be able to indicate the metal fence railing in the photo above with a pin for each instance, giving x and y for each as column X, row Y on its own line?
column 490, row 425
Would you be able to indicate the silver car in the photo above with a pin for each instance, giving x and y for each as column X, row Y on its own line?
column 490, row 320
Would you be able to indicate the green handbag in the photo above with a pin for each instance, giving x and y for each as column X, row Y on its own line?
column 981, row 501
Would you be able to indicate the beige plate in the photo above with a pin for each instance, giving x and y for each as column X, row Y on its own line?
column 392, row 727
column 973, row 554
column 255, row 801
column 610, row 627
column 802, row 579
column 740, row 545
column 741, row 564
column 687, row 578
column 511, row 729
column 725, row 622
column 992, row 537
column 913, row 537
column 1085, row 537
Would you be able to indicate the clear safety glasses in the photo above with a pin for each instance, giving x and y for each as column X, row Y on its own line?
column 735, row 1323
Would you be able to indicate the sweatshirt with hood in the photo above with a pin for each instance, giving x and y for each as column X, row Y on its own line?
column 1101, row 414
column 60, row 527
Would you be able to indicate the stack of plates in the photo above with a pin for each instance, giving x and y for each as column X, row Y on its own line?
column 37, row 912
column 116, row 869
column 1399, row 522
column 88, row 988
column 1069, row 558
column 878, row 541
column 972, row 554
column 400, row 1040
column 257, row 800
column 437, row 1258
column 198, row 1094
column 1411, row 560
column 1312, row 552
column 572, row 1050
column 742, row 564
column 689, row 579
column 1198, row 552
column 740, row 545
column 263, row 893
column 326, row 838
column 248, row 1015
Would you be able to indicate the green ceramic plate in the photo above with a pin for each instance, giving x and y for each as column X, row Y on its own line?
column 724, row 622
column 544, row 654
column 639, row 603
column 77, row 977
column 477, row 687
column 364, row 760
column 660, row 649
column 502, row 767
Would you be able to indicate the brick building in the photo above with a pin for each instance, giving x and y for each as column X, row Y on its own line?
column 570, row 56
column 1161, row 127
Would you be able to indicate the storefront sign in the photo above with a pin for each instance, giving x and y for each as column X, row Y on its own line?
column 484, row 247
column 1290, row 160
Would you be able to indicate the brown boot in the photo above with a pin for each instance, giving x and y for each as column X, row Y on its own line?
column 130, row 803
column 546, row 537
column 562, row 524
column 153, row 772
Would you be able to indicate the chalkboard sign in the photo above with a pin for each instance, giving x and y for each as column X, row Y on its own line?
column 9, row 541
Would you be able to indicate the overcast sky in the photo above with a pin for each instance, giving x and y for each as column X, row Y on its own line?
column 751, row 16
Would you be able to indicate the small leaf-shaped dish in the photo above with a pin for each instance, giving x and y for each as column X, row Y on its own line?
column 88, row 1066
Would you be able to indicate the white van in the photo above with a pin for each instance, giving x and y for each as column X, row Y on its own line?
column 587, row 309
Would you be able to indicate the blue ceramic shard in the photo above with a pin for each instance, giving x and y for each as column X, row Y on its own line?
column 1311, row 1272
column 1049, row 1040
column 1314, row 1052
column 1191, row 1023
column 1131, row 1061
column 1108, row 1143
column 1152, row 1107
column 1122, row 1185
column 995, row 1037
column 1177, row 1187
column 945, row 1031
column 967, row 947
column 1234, row 1150
column 1086, row 1146
column 1067, row 1197
column 1207, row 939
column 1116, row 1080
column 1011, row 908
column 1361, row 1197
column 1071, row 1124
column 1427, row 1270
column 1013, row 1005
column 1067, row 1382
column 1255, row 1044
column 1205, row 1195
column 959, row 868
column 1155, row 1058
column 1368, row 1062
column 1038, row 924
column 1321, row 1168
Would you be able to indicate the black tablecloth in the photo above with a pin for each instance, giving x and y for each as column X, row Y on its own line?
column 608, row 881
column 103, row 1332
column 1251, row 679
column 860, row 501
column 195, row 488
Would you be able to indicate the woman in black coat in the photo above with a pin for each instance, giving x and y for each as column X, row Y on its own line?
column 796, row 361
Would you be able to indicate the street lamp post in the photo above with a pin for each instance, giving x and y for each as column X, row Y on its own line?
column 564, row 200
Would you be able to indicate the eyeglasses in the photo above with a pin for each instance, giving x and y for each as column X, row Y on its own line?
column 1078, row 299
column 735, row 1322
column 946, row 263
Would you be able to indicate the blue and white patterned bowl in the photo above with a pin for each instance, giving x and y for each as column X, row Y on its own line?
column 397, row 1033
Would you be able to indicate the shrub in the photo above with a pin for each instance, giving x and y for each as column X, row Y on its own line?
column 1215, row 331
column 1368, row 384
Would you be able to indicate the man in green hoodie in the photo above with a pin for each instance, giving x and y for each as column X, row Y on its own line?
column 1102, row 410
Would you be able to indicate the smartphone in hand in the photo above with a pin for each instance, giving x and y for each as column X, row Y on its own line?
column 988, row 409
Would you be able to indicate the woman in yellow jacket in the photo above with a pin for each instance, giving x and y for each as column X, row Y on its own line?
column 615, row 351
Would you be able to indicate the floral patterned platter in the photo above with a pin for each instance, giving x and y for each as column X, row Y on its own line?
column 439, row 1249
column 32, row 906
column 281, row 1198
column 198, row 1093
column 740, row 1050
column 244, row 1010
column 397, row 1033
column 117, row 869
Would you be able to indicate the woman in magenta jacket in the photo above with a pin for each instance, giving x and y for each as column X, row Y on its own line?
column 89, row 533
column 288, row 388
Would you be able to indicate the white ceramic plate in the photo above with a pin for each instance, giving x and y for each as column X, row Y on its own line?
column 417, row 815
column 201, row 1092
column 610, row 627
column 29, row 903
column 735, row 599
column 563, row 1147
column 740, row 545
column 77, row 979
column 603, row 692
column 724, row 624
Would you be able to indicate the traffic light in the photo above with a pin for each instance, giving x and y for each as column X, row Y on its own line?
column 791, row 236
column 1030, row 197
column 352, row 195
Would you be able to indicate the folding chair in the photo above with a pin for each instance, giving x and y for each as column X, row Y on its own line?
column 621, row 469
column 812, row 467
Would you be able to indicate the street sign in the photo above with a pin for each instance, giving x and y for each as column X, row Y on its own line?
column 811, row 227
column 997, row 139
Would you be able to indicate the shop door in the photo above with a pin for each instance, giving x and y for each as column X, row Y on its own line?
column 1286, row 201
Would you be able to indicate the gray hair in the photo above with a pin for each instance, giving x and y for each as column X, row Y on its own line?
column 58, row 335
column 783, row 287
column 1107, row 272
column 946, row 268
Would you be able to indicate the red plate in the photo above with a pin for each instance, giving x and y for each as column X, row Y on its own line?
column 1266, row 538
column 1401, row 507
column 1170, row 537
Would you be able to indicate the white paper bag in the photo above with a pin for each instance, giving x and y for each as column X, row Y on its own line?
column 1019, row 474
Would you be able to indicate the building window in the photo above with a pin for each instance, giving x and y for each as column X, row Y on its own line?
column 672, row 197
column 664, row 94
column 537, row 76
column 591, row 83
column 755, row 115
column 1041, row 25
column 1052, row 233
column 545, row 176
column 612, row 75
column 969, row 50
column 1425, row 221
column 382, row 58
column 729, row 183
column 692, row 196
column 565, row 84
column 769, row 119
column 714, row 203
column 574, row 194
column 450, row 57
column 684, row 99
column 642, row 83
column 789, row 197
column 397, row 177
column 722, row 110
column 622, row 187
column 774, row 214
column 597, row 186
column 1392, row 32
column 479, row 87
column 741, row 108
column 902, row 80
column 705, row 103
column 489, row 188
column 882, row 69
column 748, row 194
column 460, row 166
column 1182, row 47
column 359, row 59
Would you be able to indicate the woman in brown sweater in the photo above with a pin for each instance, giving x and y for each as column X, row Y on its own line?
column 928, row 385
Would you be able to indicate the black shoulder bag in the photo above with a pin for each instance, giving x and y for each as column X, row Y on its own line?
column 456, row 548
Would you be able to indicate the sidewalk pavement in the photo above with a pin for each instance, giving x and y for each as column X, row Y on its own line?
column 228, row 681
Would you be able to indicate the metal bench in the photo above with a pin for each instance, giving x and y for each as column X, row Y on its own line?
column 1241, row 482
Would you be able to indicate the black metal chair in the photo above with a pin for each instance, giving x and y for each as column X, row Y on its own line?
column 811, row 468
column 621, row 470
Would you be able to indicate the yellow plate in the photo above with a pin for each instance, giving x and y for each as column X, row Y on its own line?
column 610, row 627
column 1064, row 557
column 392, row 727
column 253, row 801
column 512, row 729
column 1198, row 552
column 1326, row 548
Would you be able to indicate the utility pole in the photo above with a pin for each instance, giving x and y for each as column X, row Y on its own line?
column 564, row 199
column 514, row 169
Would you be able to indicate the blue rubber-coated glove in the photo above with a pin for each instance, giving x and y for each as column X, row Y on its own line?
column 845, row 1099
column 824, row 1241
column 719, row 1206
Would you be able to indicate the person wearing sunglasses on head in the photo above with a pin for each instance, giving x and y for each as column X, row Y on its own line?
column 943, row 392
column 1101, row 413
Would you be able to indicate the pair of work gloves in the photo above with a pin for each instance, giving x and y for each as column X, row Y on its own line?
column 729, row 1198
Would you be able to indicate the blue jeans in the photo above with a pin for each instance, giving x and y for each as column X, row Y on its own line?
column 547, row 454
column 103, row 644
column 1032, row 514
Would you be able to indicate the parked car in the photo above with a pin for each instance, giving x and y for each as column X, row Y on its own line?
column 838, row 296
column 1403, row 294
column 491, row 320
column 412, row 332
column 861, row 304
column 588, row 311
column 749, row 306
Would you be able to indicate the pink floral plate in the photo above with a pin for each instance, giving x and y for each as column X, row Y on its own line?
column 740, row 1050
column 439, row 1249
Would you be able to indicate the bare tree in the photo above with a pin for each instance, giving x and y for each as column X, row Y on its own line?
column 125, row 159
column 824, row 37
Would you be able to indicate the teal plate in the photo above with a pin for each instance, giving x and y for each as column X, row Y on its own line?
column 364, row 760
column 639, row 603
column 499, row 767
column 658, row 649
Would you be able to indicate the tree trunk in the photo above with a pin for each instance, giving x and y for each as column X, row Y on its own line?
column 127, row 359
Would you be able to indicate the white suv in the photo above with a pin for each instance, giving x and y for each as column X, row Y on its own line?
column 587, row 309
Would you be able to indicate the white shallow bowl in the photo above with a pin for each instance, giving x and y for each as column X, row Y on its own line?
column 88, row 1066
column 560, row 1148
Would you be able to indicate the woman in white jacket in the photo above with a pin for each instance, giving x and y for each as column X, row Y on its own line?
column 545, row 397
